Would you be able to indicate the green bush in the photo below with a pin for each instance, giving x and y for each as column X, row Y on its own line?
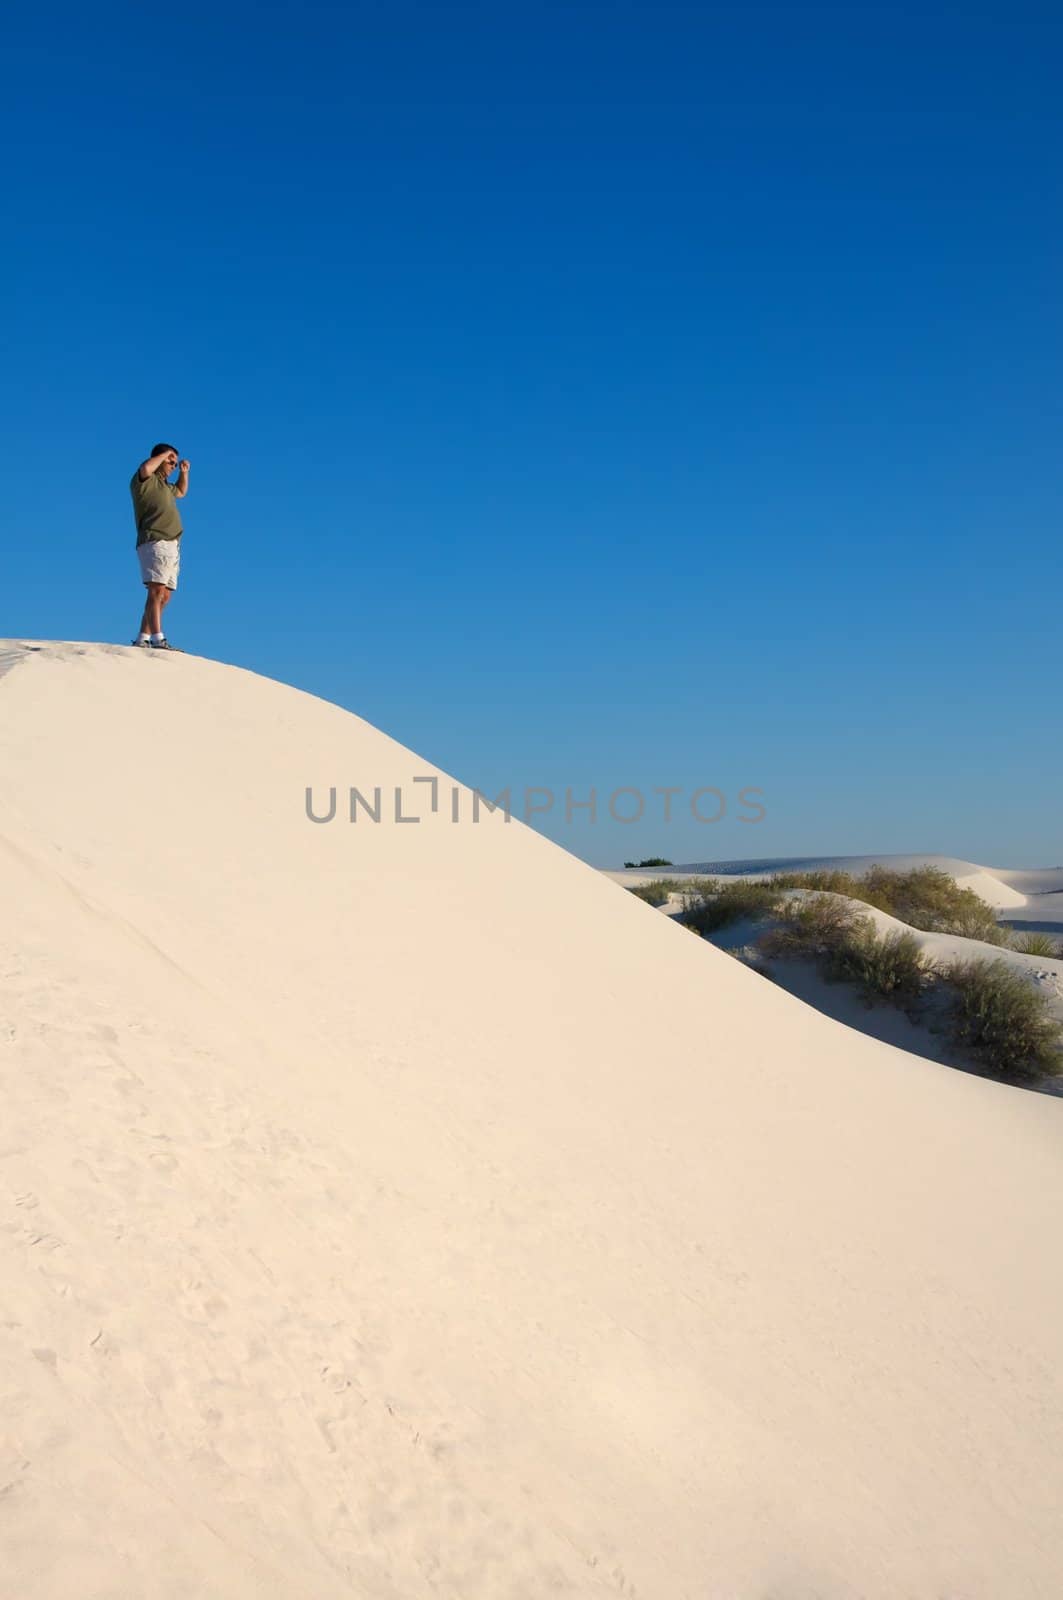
column 1037, row 944
column 997, row 1014
column 927, row 898
column 890, row 966
column 814, row 928
column 975, row 926
column 830, row 930
column 655, row 893
column 828, row 880
column 710, row 904
column 650, row 861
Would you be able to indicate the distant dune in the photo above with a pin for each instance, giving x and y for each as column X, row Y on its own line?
column 397, row 1210
column 1030, row 900
column 1003, row 887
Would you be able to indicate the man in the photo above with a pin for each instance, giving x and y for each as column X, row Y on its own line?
column 158, row 537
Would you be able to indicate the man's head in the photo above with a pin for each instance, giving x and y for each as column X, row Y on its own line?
column 169, row 462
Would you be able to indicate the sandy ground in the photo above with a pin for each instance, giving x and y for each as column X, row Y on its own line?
column 400, row 1210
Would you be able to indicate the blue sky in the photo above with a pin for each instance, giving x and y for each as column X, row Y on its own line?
column 586, row 395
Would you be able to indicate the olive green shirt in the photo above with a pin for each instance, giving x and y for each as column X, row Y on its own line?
column 155, row 508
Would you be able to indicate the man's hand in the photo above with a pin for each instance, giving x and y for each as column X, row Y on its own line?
column 184, row 465
column 166, row 459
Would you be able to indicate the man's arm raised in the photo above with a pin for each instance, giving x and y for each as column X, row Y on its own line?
column 180, row 488
column 153, row 463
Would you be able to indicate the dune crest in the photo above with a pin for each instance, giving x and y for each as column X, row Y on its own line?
column 400, row 1209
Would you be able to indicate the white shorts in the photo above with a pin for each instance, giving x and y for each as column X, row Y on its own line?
column 160, row 561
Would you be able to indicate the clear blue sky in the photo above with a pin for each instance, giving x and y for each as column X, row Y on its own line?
column 617, row 395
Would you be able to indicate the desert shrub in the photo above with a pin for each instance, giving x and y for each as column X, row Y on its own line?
column 827, row 880
column 655, row 893
column 927, row 898
column 997, row 1014
column 710, row 904
column 831, row 930
column 889, row 966
column 650, row 861
column 930, row 898
column 1037, row 944
column 813, row 928
column 975, row 926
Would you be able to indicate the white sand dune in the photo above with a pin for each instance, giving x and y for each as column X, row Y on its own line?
column 398, row 1210
column 1036, row 882
column 1042, row 898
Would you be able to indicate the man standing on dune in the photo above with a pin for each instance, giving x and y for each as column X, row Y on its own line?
column 158, row 536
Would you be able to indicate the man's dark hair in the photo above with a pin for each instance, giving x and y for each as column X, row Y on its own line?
column 157, row 449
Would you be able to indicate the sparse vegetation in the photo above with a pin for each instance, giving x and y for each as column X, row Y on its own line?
column 1037, row 944
column 927, row 898
column 815, row 928
column 828, row 881
column 709, row 904
column 993, row 1011
column 998, row 1015
column 847, row 946
column 655, row 893
column 889, row 966
column 930, row 898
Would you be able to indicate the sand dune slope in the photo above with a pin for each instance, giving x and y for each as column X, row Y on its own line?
column 1041, row 897
column 400, row 1209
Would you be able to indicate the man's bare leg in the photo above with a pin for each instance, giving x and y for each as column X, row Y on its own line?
column 158, row 597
